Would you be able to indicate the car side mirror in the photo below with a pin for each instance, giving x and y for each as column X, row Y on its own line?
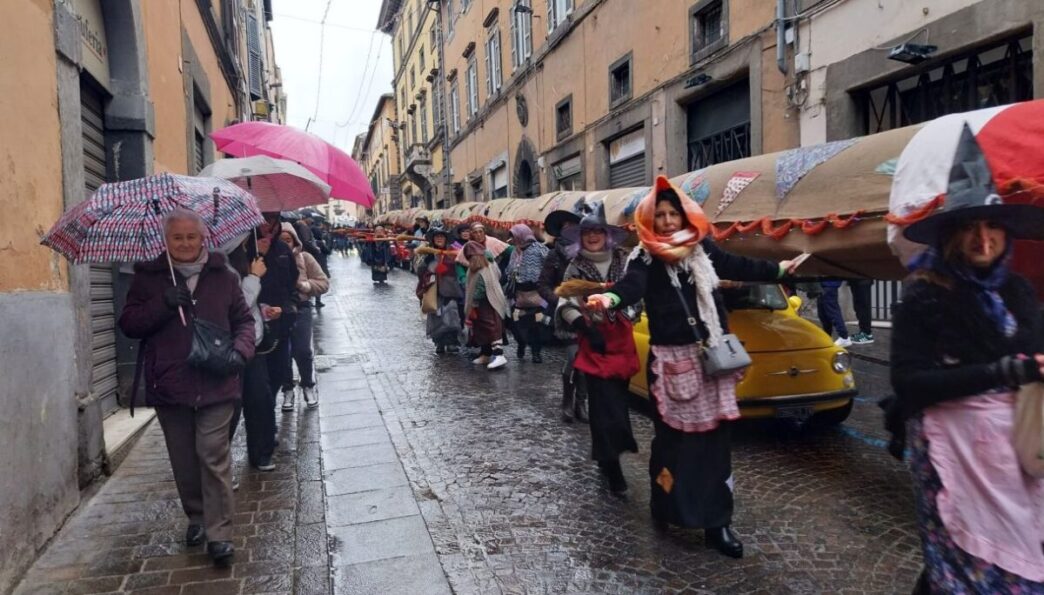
column 795, row 302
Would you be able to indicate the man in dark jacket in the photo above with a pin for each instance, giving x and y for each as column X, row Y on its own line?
column 278, row 287
column 194, row 407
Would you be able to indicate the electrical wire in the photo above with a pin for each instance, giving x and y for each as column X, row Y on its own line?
column 319, row 82
column 366, row 68
column 315, row 22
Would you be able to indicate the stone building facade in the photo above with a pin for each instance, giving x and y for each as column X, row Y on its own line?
column 377, row 152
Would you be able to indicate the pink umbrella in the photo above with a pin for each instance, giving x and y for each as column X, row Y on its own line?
column 346, row 179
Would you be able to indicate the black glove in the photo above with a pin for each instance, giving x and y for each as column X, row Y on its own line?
column 593, row 335
column 177, row 296
column 236, row 362
column 1015, row 372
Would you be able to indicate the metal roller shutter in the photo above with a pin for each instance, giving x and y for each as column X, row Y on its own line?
column 628, row 173
column 102, row 308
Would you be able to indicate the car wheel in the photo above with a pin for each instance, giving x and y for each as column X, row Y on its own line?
column 832, row 417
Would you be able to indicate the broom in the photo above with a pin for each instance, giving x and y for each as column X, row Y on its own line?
column 580, row 288
column 426, row 250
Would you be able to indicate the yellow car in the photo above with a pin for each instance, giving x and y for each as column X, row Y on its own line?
column 796, row 370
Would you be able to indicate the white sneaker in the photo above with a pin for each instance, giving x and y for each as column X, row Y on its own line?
column 288, row 399
column 481, row 360
column 311, row 397
column 498, row 361
column 843, row 342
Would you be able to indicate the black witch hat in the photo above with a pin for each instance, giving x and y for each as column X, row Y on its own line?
column 972, row 195
column 595, row 218
column 556, row 219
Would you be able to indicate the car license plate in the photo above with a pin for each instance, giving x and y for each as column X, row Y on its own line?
column 800, row 413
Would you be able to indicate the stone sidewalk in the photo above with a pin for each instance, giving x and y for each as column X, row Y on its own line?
column 129, row 537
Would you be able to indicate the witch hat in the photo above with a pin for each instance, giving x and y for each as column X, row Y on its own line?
column 556, row 219
column 595, row 218
column 971, row 195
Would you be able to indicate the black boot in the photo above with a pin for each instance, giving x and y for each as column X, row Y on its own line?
column 221, row 552
column 194, row 535
column 614, row 473
column 537, row 359
column 580, row 402
column 568, row 391
column 520, row 351
column 723, row 540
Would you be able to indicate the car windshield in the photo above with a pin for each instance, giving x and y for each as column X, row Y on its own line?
column 754, row 297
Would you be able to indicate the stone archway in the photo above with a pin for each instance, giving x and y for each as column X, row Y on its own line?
column 526, row 180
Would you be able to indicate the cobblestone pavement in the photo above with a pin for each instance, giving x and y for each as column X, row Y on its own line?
column 415, row 460
column 129, row 537
column 514, row 505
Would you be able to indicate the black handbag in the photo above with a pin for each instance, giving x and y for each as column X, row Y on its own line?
column 211, row 348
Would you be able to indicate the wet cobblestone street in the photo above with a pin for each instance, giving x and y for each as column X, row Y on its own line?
column 513, row 503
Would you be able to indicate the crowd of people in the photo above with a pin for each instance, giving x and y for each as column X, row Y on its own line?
column 968, row 334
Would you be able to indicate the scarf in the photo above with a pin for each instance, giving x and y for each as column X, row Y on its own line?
column 191, row 270
column 986, row 287
column 587, row 263
column 678, row 246
column 702, row 277
column 490, row 276
column 526, row 262
column 493, row 246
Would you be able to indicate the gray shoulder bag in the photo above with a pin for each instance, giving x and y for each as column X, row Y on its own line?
column 727, row 357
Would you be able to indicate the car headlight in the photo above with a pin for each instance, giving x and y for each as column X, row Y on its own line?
column 842, row 362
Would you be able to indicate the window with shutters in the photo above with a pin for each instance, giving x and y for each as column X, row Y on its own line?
column 254, row 60
column 620, row 77
column 200, row 127
column 423, row 62
column 558, row 12
column 413, row 127
column 433, row 37
column 455, row 107
column 494, row 75
column 424, row 119
column 451, row 17
column 521, row 32
column 472, row 83
column 413, row 78
column 464, row 6
column 564, row 118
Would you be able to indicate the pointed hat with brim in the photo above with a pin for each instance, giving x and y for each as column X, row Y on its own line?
column 972, row 194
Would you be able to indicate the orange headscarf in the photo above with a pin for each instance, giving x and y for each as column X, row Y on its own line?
column 674, row 247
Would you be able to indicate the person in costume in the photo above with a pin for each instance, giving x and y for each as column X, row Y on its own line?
column 574, row 391
column 528, row 307
column 675, row 270
column 381, row 255
column 485, row 306
column 598, row 258
column 967, row 334
column 438, row 269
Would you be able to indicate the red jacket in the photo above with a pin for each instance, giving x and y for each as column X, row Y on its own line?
column 169, row 380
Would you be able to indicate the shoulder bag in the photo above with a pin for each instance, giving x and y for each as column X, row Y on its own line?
column 211, row 348
column 727, row 357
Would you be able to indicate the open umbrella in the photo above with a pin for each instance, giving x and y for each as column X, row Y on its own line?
column 123, row 221
column 278, row 184
column 346, row 179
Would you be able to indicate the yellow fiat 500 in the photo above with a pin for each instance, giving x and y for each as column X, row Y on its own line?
column 796, row 370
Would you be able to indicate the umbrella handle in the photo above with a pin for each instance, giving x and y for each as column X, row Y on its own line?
column 174, row 280
column 217, row 194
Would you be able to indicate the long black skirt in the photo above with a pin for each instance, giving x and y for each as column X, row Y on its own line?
column 610, row 420
column 690, row 475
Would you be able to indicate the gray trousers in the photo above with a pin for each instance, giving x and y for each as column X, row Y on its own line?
column 200, row 455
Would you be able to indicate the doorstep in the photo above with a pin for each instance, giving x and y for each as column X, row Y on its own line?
column 121, row 431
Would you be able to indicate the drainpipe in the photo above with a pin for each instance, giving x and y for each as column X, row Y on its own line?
column 781, row 35
column 444, row 176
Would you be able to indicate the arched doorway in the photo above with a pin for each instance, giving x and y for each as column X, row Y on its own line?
column 526, row 183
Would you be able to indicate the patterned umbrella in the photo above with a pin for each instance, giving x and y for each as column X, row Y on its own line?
column 122, row 221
